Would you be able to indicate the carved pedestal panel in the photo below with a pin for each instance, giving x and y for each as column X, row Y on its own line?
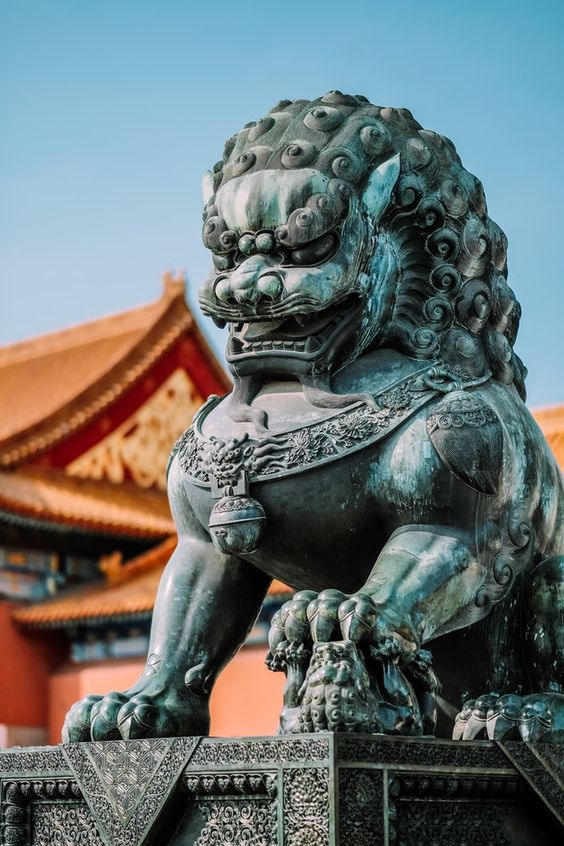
column 311, row 790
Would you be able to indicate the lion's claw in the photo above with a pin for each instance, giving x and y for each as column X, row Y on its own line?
column 76, row 728
column 103, row 717
column 542, row 715
column 476, row 723
column 135, row 715
column 357, row 616
column 140, row 718
column 502, row 722
column 325, row 617
column 510, row 717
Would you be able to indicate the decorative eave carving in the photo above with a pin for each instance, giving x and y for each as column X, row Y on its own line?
column 140, row 447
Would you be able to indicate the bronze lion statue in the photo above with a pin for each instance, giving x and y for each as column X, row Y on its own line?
column 375, row 453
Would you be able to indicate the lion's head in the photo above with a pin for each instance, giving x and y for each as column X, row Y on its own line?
column 336, row 227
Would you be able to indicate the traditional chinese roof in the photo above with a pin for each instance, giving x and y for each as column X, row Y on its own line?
column 551, row 421
column 130, row 595
column 55, row 384
column 51, row 497
column 103, row 401
column 127, row 594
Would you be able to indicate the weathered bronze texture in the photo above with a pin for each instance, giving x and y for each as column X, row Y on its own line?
column 306, row 790
column 375, row 453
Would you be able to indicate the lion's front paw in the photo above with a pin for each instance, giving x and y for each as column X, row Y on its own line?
column 136, row 714
column 538, row 716
column 331, row 615
column 359, row 632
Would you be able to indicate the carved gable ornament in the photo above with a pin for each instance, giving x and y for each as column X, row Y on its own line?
column 140, row 447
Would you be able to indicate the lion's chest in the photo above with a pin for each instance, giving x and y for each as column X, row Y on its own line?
column 327, row 489
column 322, row 523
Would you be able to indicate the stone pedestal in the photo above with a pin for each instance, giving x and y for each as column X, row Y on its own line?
column 309, row 790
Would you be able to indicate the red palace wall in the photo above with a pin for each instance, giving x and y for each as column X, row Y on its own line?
column 246, row 700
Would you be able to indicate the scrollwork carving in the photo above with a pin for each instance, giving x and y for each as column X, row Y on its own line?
column 63, row 825
column 309, row 446
column 539, row 770
column 219, row 753
column 449, row 824
column 361, row 806
column 35, row 761
column 306, row 807
column 450, row 809
column 418, row 753
column 230, row 823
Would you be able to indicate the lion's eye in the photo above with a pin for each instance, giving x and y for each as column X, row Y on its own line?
column 314, row 252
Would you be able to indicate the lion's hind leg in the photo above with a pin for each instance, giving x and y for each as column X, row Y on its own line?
column 543, row 633
column 539, row 714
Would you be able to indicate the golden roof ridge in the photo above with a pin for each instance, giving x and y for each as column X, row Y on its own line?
column 171, row 317
column 114, row 323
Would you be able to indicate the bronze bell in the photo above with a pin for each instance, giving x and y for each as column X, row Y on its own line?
column 237, row 524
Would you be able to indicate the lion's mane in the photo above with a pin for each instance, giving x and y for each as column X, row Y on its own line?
column 452, row 299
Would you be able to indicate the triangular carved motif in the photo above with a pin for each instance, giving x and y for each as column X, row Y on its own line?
column 126, row 783
column 538, row 764
column 550, row 753
column 126, row 773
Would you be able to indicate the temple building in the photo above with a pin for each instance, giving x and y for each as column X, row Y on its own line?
column 91, row 412
column 85, row 528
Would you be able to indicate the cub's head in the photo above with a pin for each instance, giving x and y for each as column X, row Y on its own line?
column 337, row 227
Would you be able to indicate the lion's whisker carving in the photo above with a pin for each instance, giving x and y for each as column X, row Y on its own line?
column 320, row 394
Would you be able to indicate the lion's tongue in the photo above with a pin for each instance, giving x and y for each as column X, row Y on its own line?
column 254, row 331
column 286, row 329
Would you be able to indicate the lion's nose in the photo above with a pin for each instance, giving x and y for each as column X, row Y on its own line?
column 250, row 284
column 270, row 285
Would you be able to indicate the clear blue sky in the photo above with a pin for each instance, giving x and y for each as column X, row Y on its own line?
column 111, row 110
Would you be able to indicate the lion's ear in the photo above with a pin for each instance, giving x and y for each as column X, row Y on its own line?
column 380, row 185
column 207, row 186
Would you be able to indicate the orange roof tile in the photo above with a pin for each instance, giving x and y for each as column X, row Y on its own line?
column 55, row 383
column 98, row 602
column 130, row 589
column 54, row 497
column 551, row 421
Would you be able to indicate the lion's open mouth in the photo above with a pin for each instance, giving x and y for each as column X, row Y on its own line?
column 303, row 336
